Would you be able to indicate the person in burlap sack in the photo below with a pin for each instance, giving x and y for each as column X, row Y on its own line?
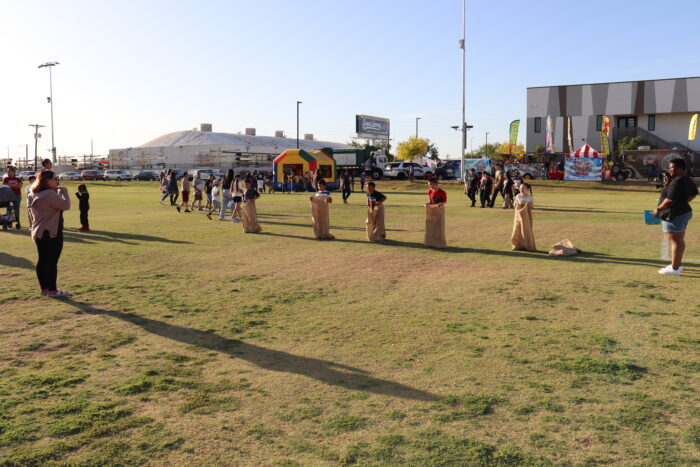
column 375, row 214
column 435, row 216
column 250, row 213
column 523, row 237
column 320, row 215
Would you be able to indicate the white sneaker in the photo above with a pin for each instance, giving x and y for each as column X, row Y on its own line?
column 669, row 271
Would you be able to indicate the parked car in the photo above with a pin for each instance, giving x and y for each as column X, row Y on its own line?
column 149, row 175
column 399, row 170
column 117, row 174
column 69, row 176
column 91, row 175
column 25, row 174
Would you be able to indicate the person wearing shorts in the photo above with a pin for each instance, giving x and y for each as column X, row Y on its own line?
column 675, row 212
column 185, row 181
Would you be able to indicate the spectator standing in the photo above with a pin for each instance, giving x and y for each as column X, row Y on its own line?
column 471, row 185
column 185, row 185
column 47, row 201
column 208, row 185
column 84, row 206
column 497, row 185
column 198, row 185
column 226, row 183
column 215, row 203
column 15, row 185
column 485, row 189
column 675, row 212
column 345, row 186
column 363, row 177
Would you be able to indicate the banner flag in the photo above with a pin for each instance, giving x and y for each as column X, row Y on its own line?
column 570, row 133
column 513, row 135
column 479, row 165
column 549, row 138
column 604, row 144
column 583, row 168
column 605, row 129
column 693, row 127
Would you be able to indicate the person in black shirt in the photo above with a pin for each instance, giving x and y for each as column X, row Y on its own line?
column 84, row 206
column 507, row 191
column 345, row 186
column 485, row 185
column 208, row 185
column 675, row 212
column 373, row 196
column 471, row 185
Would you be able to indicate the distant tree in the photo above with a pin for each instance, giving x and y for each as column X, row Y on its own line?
column 504, row 148
column 412, row 149
column 433, row 152
column 482, row 150
column 629, row 144
column 539, row 149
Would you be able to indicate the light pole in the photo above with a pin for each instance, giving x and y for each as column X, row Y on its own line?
column 298, row 102
column 50, row 65
column 486, row 147
column 464, row 80
column 417, row 118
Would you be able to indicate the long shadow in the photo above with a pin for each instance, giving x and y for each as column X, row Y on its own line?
column 585, row 257
column 328, row 372
column 119, row 237
column 593, row 211
column 334, row 227
column 15, row 261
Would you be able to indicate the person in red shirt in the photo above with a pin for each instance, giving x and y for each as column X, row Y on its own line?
column 16, row 185
column 436, row 194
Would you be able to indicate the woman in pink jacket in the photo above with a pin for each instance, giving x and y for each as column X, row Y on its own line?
column 47, row 201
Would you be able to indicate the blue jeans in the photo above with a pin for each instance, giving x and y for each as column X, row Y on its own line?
column 677, row 224
column 225, row 201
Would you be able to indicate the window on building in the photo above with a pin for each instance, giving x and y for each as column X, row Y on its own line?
column 651, row 123
column 538, row 124
column 626, row 122
column 599, row 123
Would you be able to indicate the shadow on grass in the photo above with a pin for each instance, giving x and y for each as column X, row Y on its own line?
column 585, row 257
column 15, row 261
column 73, row 235
column 335, row 227
column 324, row 371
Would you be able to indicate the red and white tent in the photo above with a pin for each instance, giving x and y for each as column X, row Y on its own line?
column 587, row 151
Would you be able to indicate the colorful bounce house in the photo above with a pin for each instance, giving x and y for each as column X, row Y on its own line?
column 298, row 162
column 584, row 164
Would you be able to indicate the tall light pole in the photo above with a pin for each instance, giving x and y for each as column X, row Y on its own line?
column 417, row 118
column 50, row 65
column 462, row 45
column 486, row 147
column 298, row 102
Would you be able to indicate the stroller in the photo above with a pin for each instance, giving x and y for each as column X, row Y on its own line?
column 7, row 200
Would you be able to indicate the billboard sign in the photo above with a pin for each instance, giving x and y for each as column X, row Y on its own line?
column 371, row 127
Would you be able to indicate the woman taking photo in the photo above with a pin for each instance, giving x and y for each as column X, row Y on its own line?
column 46, row 201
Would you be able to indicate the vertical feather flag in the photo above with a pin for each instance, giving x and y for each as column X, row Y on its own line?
column 570, row 133
column 513, row 135
column 549, row 138
column 693, row 127
column 604, row 133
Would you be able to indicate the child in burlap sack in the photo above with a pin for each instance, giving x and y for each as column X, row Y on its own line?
column 375, row 214
column 320, row 212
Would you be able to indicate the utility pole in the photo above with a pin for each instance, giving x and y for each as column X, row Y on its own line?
column 37, row 135
column 462, row 45
column 486, row 147
column 50, row 65
column 417, row 118
column 298, row 102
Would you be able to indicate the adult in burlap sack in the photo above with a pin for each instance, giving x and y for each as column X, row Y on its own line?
column 564, row 248
column 523, row 237
column 250, row 217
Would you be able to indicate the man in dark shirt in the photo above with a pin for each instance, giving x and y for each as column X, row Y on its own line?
column 471, row 185
column 675, row 212
column 373, row 196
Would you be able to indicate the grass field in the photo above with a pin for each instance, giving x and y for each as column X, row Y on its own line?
column 187, row 342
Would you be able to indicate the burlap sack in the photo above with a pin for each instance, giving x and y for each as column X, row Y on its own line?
column 435, row 226
column 564, row 248
column 375, row 223
column 523, row 237
column 250, row 218
column 321, row 219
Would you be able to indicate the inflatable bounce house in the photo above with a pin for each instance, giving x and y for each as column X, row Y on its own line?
column 296, row 163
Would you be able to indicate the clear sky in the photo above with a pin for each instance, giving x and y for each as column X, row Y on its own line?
column 131, row 71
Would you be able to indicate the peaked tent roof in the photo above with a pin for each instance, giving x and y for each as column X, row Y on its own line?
column 194, row 138
column 586, row 151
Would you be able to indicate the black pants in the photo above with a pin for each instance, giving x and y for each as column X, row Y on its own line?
column 84, row 218
column 471, row 193
column 346, row 193
column 16, row 208
column 47, row 267
column 484, row 197
column 495, row 195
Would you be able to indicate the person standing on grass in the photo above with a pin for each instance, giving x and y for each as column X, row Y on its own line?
column 27, row 191
column 47, row 201
column 215, row 203
column 172, row 188
column 185, row 184
column 237, row 197
column 208, row 184
column 320, row 212
column 471, row 185
column 376, row 232
column 226, row 183
column 363, row 177
column 250, row 214
column 485, row 188
column 345, row 186
column 15, row 185
column 261, row 182
column 523, row 237
column 164, row 185
column 198, row 185
column 497, row 185
column 507, row 191
column 675, row 212
column 84, row 206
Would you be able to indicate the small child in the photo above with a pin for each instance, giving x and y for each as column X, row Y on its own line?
column 216, row 204
column 237, row 197
column 84, row 206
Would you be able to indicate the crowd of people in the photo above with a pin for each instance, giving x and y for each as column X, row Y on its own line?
column 488, row 186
